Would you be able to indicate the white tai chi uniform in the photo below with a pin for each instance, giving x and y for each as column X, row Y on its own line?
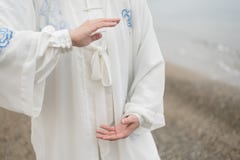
column 70, row 91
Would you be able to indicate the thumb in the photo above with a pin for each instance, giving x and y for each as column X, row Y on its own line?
column 129, row 119
column 96, row 36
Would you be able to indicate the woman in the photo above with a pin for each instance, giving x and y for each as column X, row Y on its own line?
column 89, row 73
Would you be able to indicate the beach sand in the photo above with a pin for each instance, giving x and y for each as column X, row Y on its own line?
column 202, row 121
column 202, row 118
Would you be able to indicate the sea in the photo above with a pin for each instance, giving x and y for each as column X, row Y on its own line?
column 202, row 35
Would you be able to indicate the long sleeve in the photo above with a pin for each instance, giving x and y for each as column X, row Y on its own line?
column 27, row 57
column 145, row 97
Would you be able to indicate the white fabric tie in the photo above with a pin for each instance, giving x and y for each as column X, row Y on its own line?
column 101, row 66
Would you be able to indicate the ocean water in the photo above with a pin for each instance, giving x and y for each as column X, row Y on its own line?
column 203, row 35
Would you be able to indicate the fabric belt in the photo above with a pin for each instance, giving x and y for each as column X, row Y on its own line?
column 100, row 65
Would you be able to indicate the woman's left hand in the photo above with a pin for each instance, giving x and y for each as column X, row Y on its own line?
column 120, row 131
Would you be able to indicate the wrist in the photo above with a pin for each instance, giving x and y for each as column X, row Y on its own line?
column 72, row 36
column 139, row 117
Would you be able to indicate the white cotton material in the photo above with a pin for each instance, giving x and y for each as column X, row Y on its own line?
column 28, row 60
column 68, row 91
column 100, row 65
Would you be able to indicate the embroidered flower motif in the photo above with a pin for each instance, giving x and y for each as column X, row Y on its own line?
column 5, row 37
column 52, row 14
column 127, row 14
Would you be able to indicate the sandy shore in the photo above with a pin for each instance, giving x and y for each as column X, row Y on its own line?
column 202, row 119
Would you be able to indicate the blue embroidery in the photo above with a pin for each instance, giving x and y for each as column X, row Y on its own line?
column 5, row 37
column 52, row 14
column 127, row 14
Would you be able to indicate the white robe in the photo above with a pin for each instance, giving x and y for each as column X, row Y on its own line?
column 43, row 76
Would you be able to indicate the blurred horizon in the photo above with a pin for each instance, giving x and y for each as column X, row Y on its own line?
column 200, row 35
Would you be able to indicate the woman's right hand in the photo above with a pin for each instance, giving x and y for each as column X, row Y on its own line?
column 85, row 34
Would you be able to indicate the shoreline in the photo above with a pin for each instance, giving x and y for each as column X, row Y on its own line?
column 211, row 95
column 202, row 118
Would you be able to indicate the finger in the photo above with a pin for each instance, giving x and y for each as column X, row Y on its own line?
column 99, row 136
column 106, row 24
column 108, row 128
column 102, row 132
column 129, row 119
column 117, row 20
column 114, row 137
column 105, row 132
column 96, row 36
column 103, row 25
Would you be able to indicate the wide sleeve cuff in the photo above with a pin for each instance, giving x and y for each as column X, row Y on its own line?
column 149, row 120
column 36, row 69
column 31, row 93
column 61, row 39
